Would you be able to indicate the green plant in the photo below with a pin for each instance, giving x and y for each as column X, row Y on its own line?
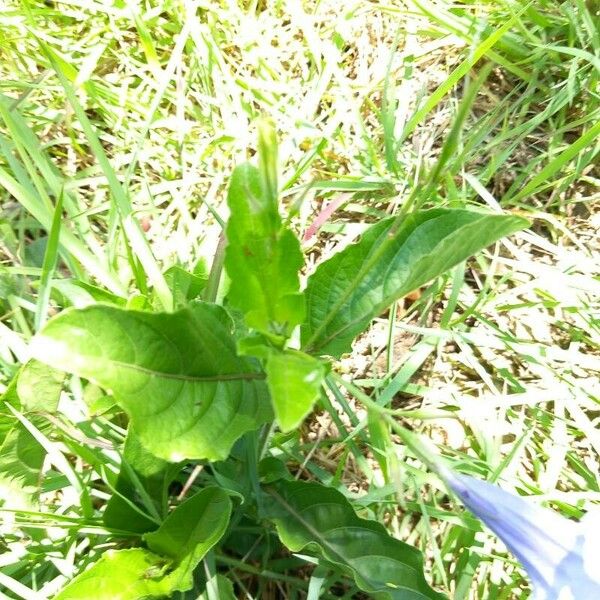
column 222, row 387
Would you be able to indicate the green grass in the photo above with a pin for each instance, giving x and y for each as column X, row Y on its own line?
column 119, row 127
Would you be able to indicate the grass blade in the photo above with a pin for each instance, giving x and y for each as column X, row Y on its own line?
column 48, row 266
column 131, row 226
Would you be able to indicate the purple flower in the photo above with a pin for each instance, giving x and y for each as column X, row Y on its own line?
column 561, row 557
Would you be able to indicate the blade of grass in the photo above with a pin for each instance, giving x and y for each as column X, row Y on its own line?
column 48, row 266
column 452, row 141
column 60, row 462
column 69, row 242
column 540, row 181
column 457, row 74
column 135, row 235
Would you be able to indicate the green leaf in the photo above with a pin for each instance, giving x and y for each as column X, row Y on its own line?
column 34, row 388
column 294, row 380
column 125, row 575
column 39, row 387
column 193, row 528
column 21, row 460
column 142, row 485
column 177, row 375
column 346, row 292
column 221, row 588
column 262, row 258
column 184, row 286
column 311, row 516
column 180, row 543
column 91, row 292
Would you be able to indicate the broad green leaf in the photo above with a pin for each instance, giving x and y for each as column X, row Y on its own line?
column 177, row 375
column 310, row 516
column 347, row 291
column 262, row 258
column 126, row 575
column 179, row 544
column 140, row 500
column 294, row 380
column 193, row 528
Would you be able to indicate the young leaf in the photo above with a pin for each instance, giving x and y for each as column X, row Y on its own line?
column 185, row 286
column 125, row 575
column 294, row 380
column 177, row 375
column 312, row 515
column 193, row 528
column 262, row 256
column 347, row 291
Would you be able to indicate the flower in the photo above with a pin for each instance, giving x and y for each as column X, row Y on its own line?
column 560, row 556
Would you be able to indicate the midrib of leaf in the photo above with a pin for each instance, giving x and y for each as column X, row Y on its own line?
column 184, row 377
column 315, row 533
column 379, row 251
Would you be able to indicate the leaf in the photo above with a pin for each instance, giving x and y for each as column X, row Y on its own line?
column 177, row 375
column 125, row 575
column 222, row 588
column 180, row 543
column 39, row 387
column 34, row 388
column 354, row 286
column 311, row 516
column 193, row 528
column 262, row 257
column 141, row 488
column 184, row 286
column 294, row 380
column 89, row 294
column 21, row 461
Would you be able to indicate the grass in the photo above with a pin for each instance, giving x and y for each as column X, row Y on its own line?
column 119, row 126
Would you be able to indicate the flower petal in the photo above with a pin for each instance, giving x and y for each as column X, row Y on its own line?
column 557, row 553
